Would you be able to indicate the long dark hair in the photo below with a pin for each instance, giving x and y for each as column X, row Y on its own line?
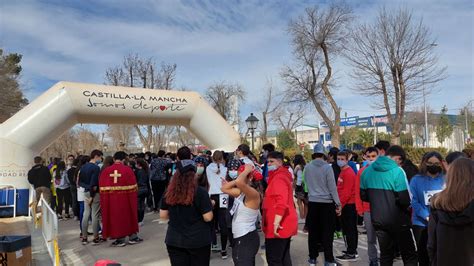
column 144, row 165
column 61, row 167
column 426, row 157
column 299, row 160
column 108, row 161
column 181, row 189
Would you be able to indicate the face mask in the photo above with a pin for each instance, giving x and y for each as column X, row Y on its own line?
column 341, row 163
column 272, row 168
column 233, row 174
column 200, row 170
column 369, row 162
column 434, row 169
column 98, row 161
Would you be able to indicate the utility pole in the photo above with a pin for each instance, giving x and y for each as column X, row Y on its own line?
column 375, row 130
column 426, row 114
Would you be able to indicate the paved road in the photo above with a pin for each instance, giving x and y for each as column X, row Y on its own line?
column 153, row 251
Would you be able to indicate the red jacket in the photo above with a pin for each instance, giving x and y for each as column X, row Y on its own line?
column 278, row 200
column 361, row 206
column 346, row 186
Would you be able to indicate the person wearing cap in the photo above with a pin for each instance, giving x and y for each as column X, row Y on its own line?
column 201, row 176
column 280, row 221
column 189, row 210
column 244, row 212
column 232, row 173
column 323, row 205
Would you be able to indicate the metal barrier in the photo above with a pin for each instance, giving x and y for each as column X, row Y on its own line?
column 7, row 189
column 49, row 228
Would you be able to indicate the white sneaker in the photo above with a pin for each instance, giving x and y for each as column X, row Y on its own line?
column 301, row 221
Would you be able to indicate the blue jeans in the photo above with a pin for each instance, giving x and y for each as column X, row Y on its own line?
column 81, row 213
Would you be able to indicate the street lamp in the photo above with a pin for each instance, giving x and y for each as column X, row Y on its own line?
column 252, row 123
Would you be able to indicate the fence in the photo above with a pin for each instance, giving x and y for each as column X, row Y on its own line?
column 49, row 228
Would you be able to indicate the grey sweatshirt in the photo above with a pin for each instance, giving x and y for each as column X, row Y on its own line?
column 321, row 183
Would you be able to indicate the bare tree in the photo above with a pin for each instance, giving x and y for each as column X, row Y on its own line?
column 317, row 38
column 121, row 134
column 272, row 101
column 142, row 73
column 223, row 96
column 394, row 62
column 289, row 115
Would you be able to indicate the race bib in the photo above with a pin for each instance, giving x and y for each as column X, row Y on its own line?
column 223, row 201
column 429, row 194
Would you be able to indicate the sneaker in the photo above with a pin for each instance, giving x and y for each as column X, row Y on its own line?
column 347, row 257
column 135, row 241
column 224, row 255
column 67, row 216
column 305, row 229
column 140, row 224
column 356, row 254
column 60, row 218
column 301, row 221
column 312, row 262
column 339, row 234
column 97, row 241
column 118, row 243
column 84, row 241
column 330, row 263
column 76, row 218
column 215, row 248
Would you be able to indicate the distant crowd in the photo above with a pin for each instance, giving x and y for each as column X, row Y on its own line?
column 423, row 214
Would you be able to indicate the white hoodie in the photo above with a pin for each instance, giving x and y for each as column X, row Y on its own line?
column 215, row 180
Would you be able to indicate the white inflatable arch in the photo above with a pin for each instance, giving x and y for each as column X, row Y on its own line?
column 36, row 126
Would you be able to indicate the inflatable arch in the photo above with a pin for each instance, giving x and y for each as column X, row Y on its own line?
column 32, row 129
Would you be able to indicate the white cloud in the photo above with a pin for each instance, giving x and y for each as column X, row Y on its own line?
column 211, row 41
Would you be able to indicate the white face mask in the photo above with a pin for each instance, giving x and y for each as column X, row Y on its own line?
column 341, row 163
column 233, row 174
column 200, row 170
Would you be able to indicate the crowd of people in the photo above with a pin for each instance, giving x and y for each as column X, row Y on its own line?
column 425, row 213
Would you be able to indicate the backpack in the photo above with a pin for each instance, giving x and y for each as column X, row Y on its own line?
column 157, row 169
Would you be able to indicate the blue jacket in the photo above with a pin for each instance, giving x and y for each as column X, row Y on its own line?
column 422, row 188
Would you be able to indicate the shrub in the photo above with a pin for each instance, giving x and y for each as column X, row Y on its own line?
column 416, row 154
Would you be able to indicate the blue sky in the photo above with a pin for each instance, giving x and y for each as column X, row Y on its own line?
column 210, row 41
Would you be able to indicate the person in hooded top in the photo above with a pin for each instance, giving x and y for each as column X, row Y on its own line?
column 384, row 185
column 280, row 221
column 451, row 220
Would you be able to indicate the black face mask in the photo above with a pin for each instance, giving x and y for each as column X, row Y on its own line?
column 434, row 169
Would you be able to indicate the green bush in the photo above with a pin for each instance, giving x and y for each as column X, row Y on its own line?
column 416, row 154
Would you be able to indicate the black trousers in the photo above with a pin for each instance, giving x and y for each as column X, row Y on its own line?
column 245, row 249
column 320, row 222
column 74, row 203
column 421, row 237
column 277, row 251
column 219, row 221
column 390, row 238
column 64, row 198
column 141, row 208
column 158, row 188
column 189, row 256
column 349, row 227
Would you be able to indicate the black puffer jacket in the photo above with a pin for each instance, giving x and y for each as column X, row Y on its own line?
column 451, row 237
column 39, row 176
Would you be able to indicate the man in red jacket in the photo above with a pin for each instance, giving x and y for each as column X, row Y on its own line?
column 363, row 209
column 280, row 221
column 346, row 190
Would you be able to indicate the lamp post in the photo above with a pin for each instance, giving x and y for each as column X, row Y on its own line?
column 252, row 123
